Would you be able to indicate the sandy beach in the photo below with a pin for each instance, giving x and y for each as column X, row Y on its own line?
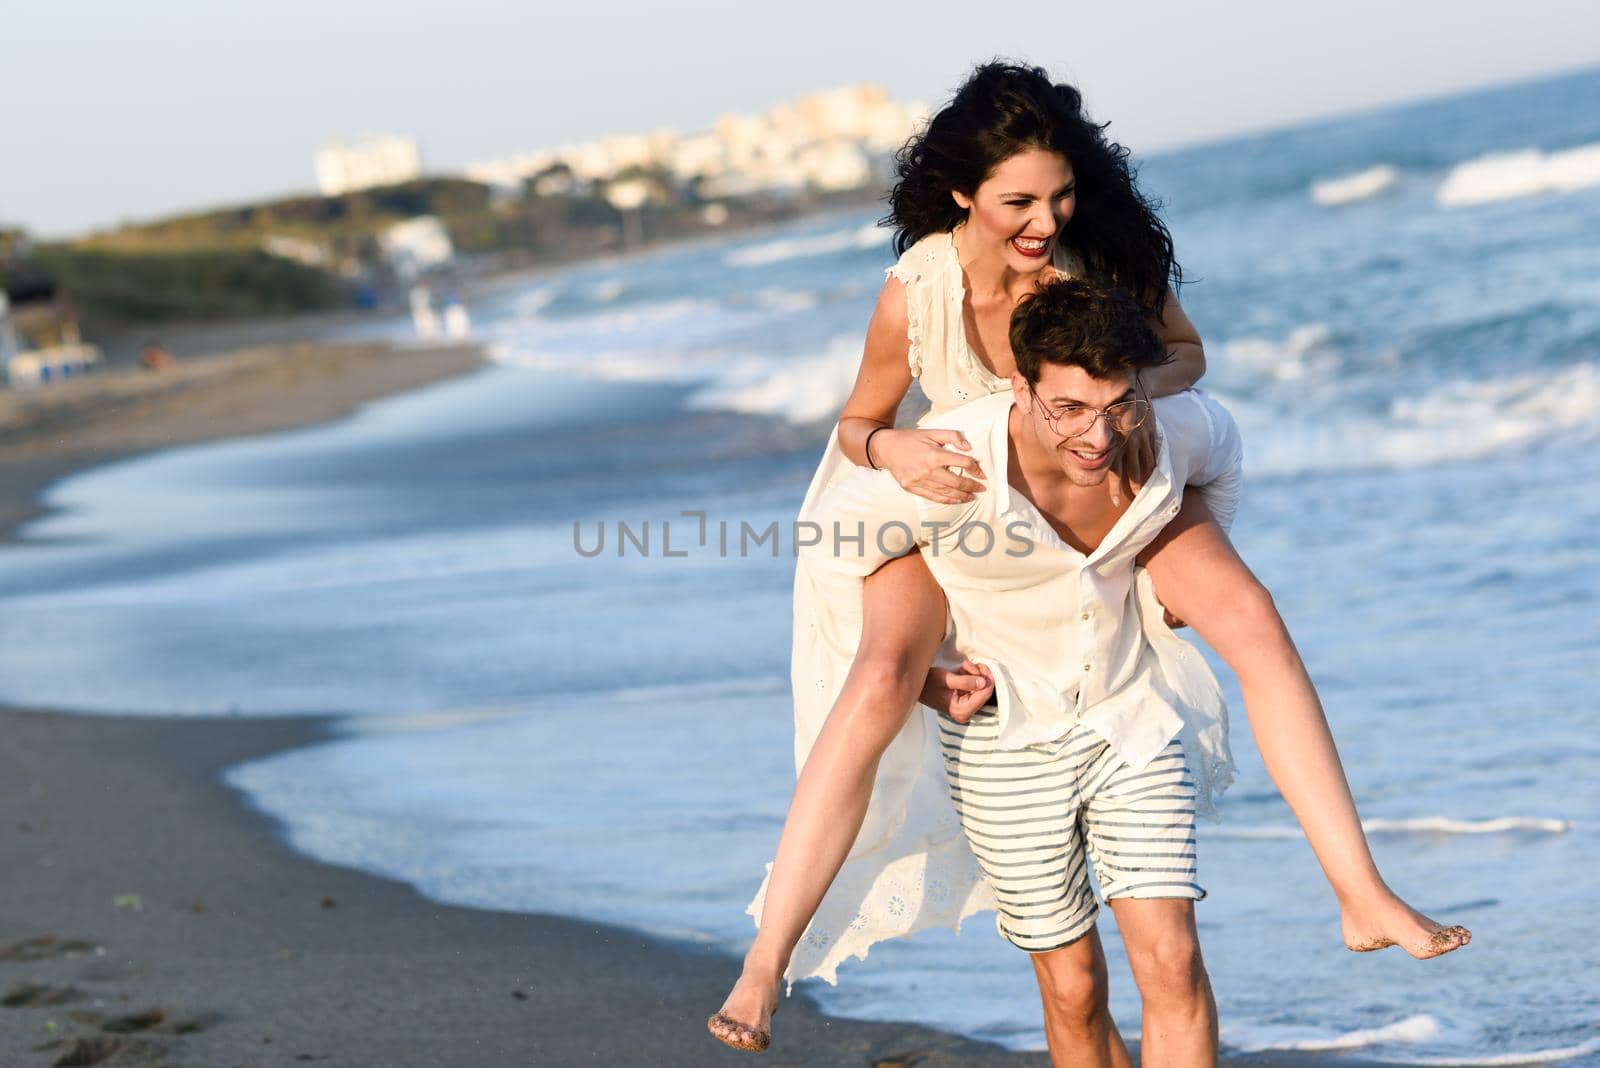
column 151, row 917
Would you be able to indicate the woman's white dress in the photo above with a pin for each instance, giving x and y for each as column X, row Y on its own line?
column 910, row 867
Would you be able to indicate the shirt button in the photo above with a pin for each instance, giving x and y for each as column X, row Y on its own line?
column 1086, row 615
column 1086, row 667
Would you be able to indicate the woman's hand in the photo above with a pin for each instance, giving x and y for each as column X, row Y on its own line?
column 919, row 463
column 1135, row 463
column 959, row 693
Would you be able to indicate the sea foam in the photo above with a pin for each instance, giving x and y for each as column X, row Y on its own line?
column 803, row 390
column 1412, row 1030
column 1416, row 825
column 1418, row 1028
column 793, row 248
column 1522, row 173
column 1349, row 188
column 1495, row 1060
column 1454, row 421
column 1307, row 352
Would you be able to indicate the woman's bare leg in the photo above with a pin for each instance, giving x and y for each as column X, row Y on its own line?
column 1202, row 581
column 903, row 616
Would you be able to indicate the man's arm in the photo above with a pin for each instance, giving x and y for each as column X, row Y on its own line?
column 1200, row 578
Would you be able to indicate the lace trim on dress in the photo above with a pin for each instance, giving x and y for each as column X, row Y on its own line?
column 966, row 355
column 879, row 899
column 910, row 274
column 1194, row 691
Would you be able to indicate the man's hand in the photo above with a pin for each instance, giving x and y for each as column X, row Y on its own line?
column 959, row 693
column 921, row 464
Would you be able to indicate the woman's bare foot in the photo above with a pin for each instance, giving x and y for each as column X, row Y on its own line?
column 745, row 1019
column 1392, row 922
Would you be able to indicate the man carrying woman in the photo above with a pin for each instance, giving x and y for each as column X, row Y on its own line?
column 1008, row 192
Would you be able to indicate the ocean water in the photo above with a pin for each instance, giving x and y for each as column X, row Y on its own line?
column 1403, row 311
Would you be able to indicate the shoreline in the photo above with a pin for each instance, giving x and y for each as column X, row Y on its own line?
column 54, row 431
column 154, row 917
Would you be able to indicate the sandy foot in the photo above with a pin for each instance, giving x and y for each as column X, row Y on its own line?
column 1397, row 924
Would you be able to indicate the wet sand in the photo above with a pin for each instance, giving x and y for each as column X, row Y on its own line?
column 149, row 917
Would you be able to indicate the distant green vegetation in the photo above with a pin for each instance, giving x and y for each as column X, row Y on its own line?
column 346, row 224
column 109, row 287
column 211, row 264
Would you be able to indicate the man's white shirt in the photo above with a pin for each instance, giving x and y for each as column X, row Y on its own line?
column 1059, row 629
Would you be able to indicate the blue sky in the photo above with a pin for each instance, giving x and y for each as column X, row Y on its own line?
column 119, row 112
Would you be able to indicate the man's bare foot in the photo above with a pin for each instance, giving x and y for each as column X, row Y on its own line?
column 745, row 1020
column 1394, row 923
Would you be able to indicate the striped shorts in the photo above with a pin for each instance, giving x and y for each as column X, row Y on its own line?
column 1035, row 818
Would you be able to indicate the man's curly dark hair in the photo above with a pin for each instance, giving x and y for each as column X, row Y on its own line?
column 1085, row 324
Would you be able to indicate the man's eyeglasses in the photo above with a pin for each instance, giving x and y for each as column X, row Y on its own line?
column 1074, row 420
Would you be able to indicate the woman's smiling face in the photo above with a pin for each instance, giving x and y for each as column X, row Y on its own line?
column 1019, row 210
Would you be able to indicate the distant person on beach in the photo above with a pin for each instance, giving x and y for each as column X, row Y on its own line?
column 1009, row 187
column 154, row 357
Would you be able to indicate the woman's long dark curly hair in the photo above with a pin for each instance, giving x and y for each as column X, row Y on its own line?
column 1003, row 109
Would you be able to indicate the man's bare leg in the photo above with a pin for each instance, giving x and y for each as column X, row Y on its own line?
column 1075, row 989
column 1200, row 579
column 1179, row 1012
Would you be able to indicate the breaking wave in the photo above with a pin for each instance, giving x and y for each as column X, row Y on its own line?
column 1523, row 173
column 1460, row 420
column 1308, row 352
column 793, row 248
column 1349, row 188
column 805, row 390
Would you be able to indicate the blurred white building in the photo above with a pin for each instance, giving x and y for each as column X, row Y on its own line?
column 827, row 141
column 698, row 156
column 834, row 165
column 374, row 160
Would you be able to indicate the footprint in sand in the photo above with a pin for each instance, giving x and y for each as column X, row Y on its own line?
column 24, row 995
column 46, row 947
column 82, row 1052
column 138, row 1021
column 153, row 1019
column 116, row 1045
